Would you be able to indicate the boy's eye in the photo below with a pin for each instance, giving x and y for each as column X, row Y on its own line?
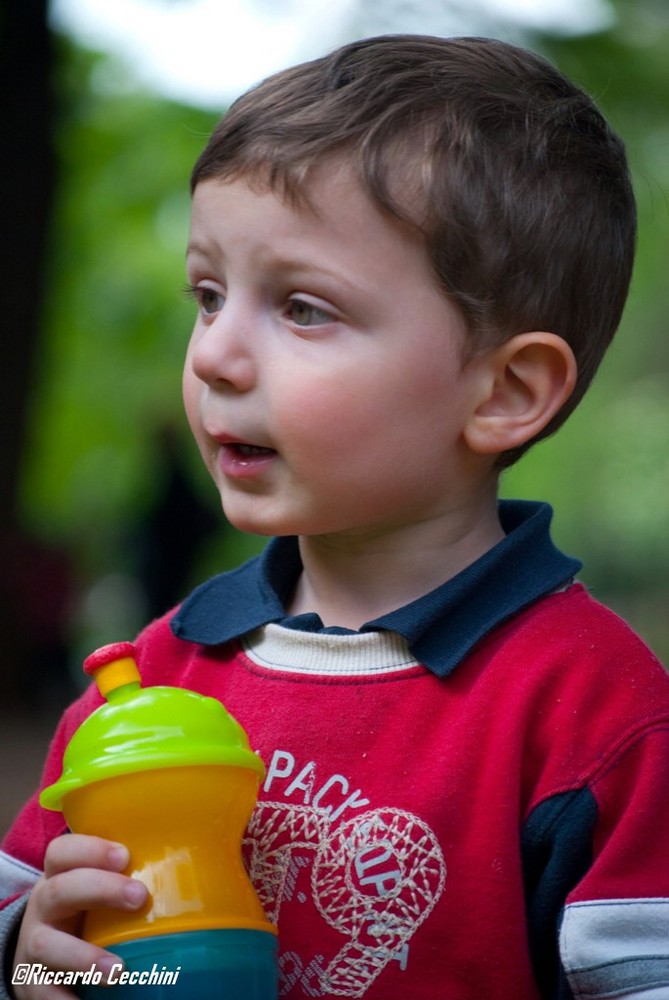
column 209, row 301
column 304, row 314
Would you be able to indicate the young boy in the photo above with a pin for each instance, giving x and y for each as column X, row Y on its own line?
column 408, row 259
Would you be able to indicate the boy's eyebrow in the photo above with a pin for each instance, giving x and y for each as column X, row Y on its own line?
column 290, row 263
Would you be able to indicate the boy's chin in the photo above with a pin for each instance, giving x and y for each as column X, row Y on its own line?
column 253, row 522
column 249, row 526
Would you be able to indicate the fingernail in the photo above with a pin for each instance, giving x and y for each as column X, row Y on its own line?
column 107, row 962
column 119, row 856
column 134, row 892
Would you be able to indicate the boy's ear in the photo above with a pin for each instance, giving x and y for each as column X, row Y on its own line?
column 520, row 386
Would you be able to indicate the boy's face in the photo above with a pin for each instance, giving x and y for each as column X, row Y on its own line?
column 323, row 381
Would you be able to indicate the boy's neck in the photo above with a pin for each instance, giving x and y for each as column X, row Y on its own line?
column 348, row 580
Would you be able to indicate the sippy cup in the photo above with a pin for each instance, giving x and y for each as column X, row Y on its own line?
column 170, row 774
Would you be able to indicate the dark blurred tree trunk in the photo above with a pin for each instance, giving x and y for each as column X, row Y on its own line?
column 26, row 186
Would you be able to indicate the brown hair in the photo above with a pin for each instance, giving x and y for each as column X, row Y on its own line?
column 518, row 184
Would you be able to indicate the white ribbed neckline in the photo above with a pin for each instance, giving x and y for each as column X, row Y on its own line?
column 349, row 655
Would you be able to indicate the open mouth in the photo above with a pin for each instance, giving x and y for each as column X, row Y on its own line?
column 239, row 459
column 250, row 450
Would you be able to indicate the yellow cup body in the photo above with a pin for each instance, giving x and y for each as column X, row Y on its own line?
column 183, row 827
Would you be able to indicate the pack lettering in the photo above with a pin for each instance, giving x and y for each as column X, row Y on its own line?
column 334, row 796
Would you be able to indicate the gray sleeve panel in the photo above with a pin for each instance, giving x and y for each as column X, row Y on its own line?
column 15, row 876
column 10, row 920
column 617, row 948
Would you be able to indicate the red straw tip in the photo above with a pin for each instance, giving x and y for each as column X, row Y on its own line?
column 107, row 654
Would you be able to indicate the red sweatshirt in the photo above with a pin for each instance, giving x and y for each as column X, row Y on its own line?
column 497, row 831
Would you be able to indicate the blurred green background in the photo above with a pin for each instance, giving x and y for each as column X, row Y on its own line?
column 107, row 517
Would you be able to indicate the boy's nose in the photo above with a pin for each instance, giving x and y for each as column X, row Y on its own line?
column 221, row 353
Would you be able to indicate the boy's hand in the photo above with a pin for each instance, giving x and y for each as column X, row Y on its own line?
column 80, row 873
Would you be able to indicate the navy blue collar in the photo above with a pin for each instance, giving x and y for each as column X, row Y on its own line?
column 439, row 628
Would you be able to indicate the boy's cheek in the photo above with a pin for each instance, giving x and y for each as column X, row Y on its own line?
column 191, row 400
column 192, row 410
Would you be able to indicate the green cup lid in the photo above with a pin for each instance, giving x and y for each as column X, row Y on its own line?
column 142, row 729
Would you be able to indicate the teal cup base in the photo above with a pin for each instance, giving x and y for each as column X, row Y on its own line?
column 210, row 964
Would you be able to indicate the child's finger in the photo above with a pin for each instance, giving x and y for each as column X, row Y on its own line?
column 67, row 893
column 81, row 851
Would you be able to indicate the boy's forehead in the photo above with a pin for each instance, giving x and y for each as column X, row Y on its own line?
column 319, row 204
column 322, row 199
column 325, row 177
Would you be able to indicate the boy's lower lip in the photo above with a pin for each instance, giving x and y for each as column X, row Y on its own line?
column 243, row 461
